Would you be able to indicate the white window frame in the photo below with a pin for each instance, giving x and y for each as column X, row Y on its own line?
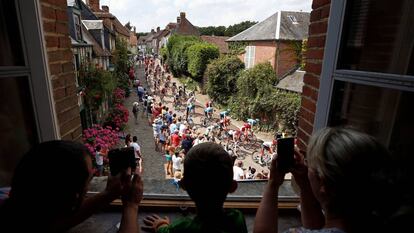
column 249, row 56
column 330, row 73
column 35, row 69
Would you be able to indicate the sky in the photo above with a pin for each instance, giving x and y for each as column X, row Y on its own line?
column 149, row 14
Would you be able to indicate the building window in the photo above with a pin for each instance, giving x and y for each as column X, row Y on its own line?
column 78, row 28
column 249, row 56
column 26, row 115
column 369, row 83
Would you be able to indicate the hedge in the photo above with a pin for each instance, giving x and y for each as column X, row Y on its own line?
column 199, row 55
column 221, row 75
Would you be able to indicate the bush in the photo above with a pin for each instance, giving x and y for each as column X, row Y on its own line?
column 105, row 137
column 199, row 55
column 177, row 59
column 117, row 117
column 221, row 75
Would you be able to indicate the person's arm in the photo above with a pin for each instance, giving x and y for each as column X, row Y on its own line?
column 93, row 204
column 267, row 215
column 131, row 197
column 311, row 211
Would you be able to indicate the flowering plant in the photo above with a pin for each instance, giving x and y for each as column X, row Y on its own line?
column 118, row 95
column 117, row 117
column 105, row 137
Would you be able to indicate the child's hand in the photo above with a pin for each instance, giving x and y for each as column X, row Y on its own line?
column 153, row 222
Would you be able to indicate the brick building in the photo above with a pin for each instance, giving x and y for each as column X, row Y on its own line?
column 277, row 40
column 37, row 79
column 360, row 71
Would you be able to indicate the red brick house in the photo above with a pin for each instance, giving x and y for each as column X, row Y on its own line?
column 360, row 72
column 274, row 40
column 219, row 41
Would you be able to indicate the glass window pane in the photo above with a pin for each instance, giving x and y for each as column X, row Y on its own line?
column 17, row 125
column 378, row 36
column 11, row 53
column 381, row 112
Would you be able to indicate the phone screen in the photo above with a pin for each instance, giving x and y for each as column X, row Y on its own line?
column 121, row 159
column 285, row 153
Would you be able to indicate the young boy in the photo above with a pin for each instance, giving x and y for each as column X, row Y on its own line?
column 208, row 190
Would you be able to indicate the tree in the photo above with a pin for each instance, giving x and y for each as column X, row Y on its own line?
column 239, row 27
column 222, row 75
column 199, row 55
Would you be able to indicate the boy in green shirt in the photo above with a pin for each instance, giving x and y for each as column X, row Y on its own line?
column 208, row 178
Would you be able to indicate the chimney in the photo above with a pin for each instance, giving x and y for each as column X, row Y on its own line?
column 152, row 31
column 182, row 15
column 105, row 8
column 135, row 30
column 178, row 20
column 158, row 29
column 93, row 4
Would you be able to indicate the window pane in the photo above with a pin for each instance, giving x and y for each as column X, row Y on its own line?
column 378, row 36
column 381, row 112
column 11, row 53
column 17, row 125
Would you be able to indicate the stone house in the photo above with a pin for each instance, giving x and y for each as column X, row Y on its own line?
column 277, row 40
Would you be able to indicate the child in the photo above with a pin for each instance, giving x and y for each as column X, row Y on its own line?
column 208, row 190
column 168, row 157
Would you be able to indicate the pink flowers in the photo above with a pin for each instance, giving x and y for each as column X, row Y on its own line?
column 97, row 135
column 119, row 95
column 118, row 117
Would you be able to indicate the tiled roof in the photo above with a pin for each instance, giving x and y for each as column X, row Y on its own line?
column 118, row 27
column 220, row 41
column 292, row 82
column 283, row 25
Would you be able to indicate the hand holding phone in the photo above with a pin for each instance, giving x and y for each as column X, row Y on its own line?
column 285, row 153
column 121, row 159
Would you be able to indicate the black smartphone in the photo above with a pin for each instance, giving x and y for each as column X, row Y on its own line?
column 121, row 159
column 285, row 153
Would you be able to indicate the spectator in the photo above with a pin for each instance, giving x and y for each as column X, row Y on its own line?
column 135, row 109
column 175, row 139
column 137, row 151
column 251, row 173
column 348, row 185
column 177, row 161
column 48, row 198
column 208, row 190
column 238, row 173
column 169, row 167
column 99, row 160
column 128, row 140
column 187, row 143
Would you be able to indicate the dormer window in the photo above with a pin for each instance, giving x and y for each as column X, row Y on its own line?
column 293, row 19
column 78, row 29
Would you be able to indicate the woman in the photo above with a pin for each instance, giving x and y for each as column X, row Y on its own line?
column 348, row 185
column 49, row 186
column 128, row 140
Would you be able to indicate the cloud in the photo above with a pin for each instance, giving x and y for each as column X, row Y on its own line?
column 148, row 14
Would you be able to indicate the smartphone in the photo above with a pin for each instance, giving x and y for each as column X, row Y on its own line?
column 285, row 153
column 121, row 159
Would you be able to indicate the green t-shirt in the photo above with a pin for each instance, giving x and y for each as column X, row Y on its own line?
column 232, row 222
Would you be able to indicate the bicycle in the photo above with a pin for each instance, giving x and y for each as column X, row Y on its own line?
column 236, row 149
column 265, row 160
column 248, row 139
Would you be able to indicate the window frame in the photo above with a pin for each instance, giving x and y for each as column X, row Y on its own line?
column 249, row 58
column 330, row 73
column 35, row 69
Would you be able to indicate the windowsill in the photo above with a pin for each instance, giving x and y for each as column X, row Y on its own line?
column 163, row 192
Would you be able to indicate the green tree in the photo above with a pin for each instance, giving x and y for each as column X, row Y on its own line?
column 252, row 85
column 239, row 27
column 199, row 55
column 177, row 59
column 222, row 75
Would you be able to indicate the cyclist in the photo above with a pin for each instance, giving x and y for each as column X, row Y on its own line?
column 223, row 114
column 252, row 122
column 269, row 146
column 174, row 88
column 224, row 119
column 208, row 112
